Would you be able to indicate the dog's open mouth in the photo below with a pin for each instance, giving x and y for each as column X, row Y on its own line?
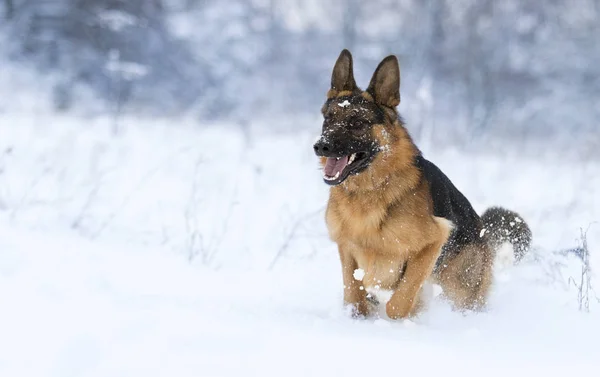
column 337, row 169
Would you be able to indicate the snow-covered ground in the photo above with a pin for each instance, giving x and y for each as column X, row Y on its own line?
column 174, row 249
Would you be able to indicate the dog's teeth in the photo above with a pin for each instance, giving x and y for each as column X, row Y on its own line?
column 337, row 175
column 352, row 157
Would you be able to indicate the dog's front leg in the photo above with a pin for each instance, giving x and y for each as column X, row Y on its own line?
column 404, row 301
column 354, row 293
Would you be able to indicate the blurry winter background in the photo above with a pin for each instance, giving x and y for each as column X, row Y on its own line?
column 161, row 211
column 470, row 69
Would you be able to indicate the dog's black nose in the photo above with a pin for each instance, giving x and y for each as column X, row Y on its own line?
column 321, row 148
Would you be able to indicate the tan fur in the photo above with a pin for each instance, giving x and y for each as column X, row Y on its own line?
column 418, row 269
column 344, row 93
column 467, row 277
column 332, row 93
column 367, row 96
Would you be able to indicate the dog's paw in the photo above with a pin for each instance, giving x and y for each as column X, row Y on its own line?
column 396, row 309
column 357, row 311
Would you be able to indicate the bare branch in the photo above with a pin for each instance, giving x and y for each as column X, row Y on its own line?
column 291, row 235
column 584, row 286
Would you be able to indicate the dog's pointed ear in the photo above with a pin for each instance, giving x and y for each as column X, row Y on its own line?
column 385, row 83
column 342, row 78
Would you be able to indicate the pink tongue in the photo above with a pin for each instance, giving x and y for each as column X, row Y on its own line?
column 334, row 166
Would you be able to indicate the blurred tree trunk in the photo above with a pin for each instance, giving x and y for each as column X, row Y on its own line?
column 10, row 9
column 194, row 4
column 349, row 20
column 438, row 14
column 438, row 37
column 275, row 34
column 478, row 78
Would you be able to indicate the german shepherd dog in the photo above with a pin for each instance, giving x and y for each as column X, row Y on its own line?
column 398, row 221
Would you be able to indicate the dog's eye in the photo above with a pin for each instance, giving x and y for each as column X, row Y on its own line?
column 357, row 125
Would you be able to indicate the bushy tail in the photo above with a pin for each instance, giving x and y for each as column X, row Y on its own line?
column 503, row 225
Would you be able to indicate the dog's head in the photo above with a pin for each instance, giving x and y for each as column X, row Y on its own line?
column 358, row 125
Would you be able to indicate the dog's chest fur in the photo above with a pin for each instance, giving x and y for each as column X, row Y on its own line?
column 379, row 233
